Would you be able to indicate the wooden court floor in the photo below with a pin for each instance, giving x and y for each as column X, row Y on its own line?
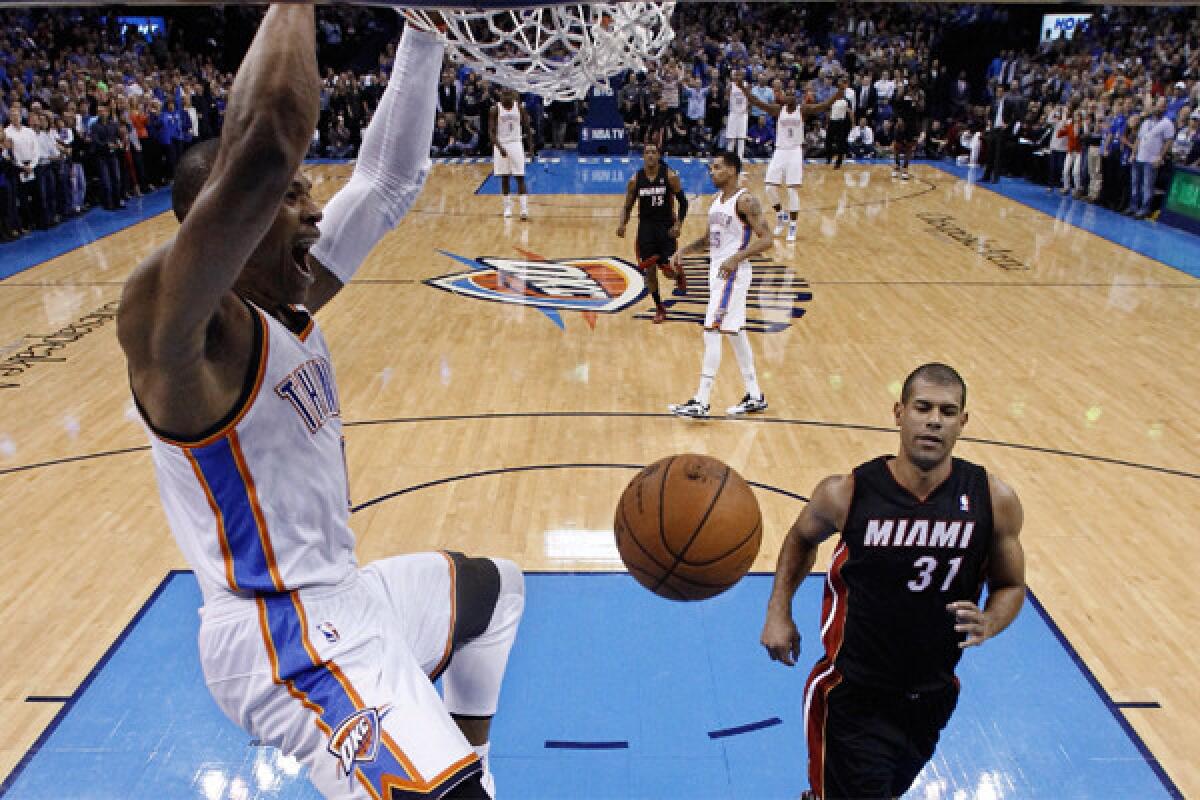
column 1080, row 356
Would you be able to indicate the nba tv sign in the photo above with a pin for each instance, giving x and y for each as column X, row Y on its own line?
column 1063, row 26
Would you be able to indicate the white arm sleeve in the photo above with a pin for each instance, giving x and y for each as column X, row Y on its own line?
column 392, row 164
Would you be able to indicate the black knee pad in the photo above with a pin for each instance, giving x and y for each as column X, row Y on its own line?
column 476, row 589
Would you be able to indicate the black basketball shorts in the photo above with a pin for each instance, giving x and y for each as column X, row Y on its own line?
column 652, row 240
column 871, row 743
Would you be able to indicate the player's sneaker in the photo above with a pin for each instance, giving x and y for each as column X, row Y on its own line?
column 781, row 220
column 507, row 211
column 791, row 237
column 692, row 408
column 895, row 172
column 525, row 213
column 904, row 175
column 749, row 405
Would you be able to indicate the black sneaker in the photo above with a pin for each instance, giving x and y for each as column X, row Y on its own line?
column 749, row 405
column 692, row 408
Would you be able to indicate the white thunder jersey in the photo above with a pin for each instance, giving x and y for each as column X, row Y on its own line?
column 787, row 162
column 739, row 114
column 261, row 505
column 738, row 104
column 508, row 123
column 727, row 234
column 789, row 130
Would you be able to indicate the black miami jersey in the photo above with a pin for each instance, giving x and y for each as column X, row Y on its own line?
column 656, row 205
column 899, row 562
column 656, row 215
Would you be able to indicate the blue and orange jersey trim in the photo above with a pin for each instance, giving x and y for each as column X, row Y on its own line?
column 245, row 403
column 323, row 688
column 245, row 541
column 448, row 650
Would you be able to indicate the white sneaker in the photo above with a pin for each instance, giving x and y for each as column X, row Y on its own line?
column 749, row 405
column 507, row 212
column 904, row 175
column 896, row 173
column 692, row 408
column 791, row 237
column 780, row 223
column 524, row 213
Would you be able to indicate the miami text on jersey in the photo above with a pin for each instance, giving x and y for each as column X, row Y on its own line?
column 918, row 533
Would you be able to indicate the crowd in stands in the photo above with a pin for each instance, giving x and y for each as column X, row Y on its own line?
column 95, row 111
column 98, row 112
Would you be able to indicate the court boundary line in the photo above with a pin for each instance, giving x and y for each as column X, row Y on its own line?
column 1150, row 759
column 1114, row 709
column 1179, row 473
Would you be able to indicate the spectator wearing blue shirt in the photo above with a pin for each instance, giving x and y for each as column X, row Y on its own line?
column 1178, row 101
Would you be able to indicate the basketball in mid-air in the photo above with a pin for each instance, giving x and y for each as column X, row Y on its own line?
column 688, row 527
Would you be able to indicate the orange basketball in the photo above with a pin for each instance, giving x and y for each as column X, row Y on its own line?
column 688, row 527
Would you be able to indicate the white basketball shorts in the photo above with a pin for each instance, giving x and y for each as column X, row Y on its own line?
column 735, row 128
column 727, row 299
column 338, row 677
column 786, row 168
column 511, row 164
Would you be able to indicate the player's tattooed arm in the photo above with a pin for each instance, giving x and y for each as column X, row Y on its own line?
column 751, row 211
column 630, row 200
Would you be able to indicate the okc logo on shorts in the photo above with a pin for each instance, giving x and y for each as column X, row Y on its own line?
column 601, row 284
column 356, row 740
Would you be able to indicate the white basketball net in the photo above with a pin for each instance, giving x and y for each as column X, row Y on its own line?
column 557, row 51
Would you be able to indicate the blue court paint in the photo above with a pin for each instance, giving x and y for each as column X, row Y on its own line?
column 1172, row 246
column 599, row 175
column 631, row 688
column 39, row 246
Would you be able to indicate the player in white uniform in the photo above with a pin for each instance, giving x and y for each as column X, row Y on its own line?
column 508, row 124
column 739, row 120
column 301, row 648
column 736, row 232
column 787, row 162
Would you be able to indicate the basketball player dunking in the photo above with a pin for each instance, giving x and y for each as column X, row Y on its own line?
column 509, row 126
column 921, row 532
column 329, row 662
column 657, row 192
column 736, row 232
column 787, row 162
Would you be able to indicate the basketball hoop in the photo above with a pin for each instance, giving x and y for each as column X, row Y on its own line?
column 556, row 51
